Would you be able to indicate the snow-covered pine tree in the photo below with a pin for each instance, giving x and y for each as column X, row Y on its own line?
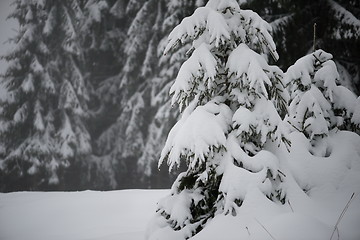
column 324, row 120
column 42, row 117
column 148, row 76
column 163, row 116
column 231, row 101
column 132, row 142
column 337, row 30
column 342, row 38
column 120, row 145
column 282, row 18
column 102, row 31
column 103, row 34
column 318, row 105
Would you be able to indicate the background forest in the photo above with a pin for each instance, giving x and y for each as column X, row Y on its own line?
column 87, row 103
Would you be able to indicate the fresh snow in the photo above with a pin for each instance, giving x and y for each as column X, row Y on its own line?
column 127, row 214
column 250, row 174
column 319, row 182
column 198, row 132
column 317, row 175
column 87, row 215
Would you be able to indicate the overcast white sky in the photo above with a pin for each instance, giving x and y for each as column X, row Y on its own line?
column 7, row 29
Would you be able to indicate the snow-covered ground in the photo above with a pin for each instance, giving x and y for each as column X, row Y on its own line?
column 328, row 182
column 125, row 215
column 90, row 215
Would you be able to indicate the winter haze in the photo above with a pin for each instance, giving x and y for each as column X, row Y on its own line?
column 247, row 113
column 7, row 30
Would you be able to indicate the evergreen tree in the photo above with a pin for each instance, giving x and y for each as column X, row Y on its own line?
column 120, row 145
column 163, row 116
column 318, row 105
column 231, row 101
column 102, row 35
column 324, row 119
column 43, row 130
column 132, row 142
column 115, row 101
column 337, row 30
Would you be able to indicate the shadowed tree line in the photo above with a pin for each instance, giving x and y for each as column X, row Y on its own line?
column 88, row 103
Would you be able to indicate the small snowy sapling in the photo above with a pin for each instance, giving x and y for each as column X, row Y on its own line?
column 318, row 105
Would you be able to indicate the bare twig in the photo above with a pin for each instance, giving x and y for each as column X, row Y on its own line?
column 248, row 231
column 290, row 206
column 342, row 215
column 314, row 47
column 265, row 229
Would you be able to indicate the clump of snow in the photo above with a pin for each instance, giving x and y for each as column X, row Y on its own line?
column 238, row 182
column 195, row 132
column 38, row 122
column 66, row 139
column 199, row 69
column 69, row 98
column 21, row 114
column 28, row 84
column 263, row 121
column 244, row 61
column 95, row 8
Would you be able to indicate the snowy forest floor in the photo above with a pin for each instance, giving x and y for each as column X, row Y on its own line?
column 124, row 215
column 90, row 215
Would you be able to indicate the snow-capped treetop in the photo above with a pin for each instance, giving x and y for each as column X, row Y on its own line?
column 215, row 31
column 220, row 20
column 304, row 68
